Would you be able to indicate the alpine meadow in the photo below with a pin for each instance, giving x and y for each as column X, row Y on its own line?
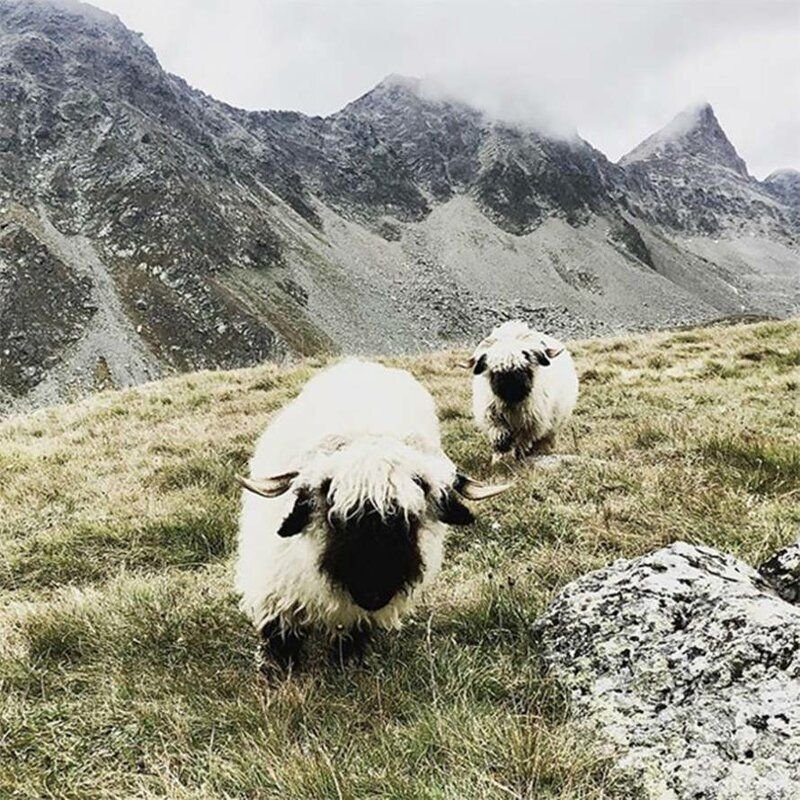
column 127, row 670
column 399, row 400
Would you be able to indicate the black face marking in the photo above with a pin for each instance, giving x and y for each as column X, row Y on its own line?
column 513, row 385
column 452, row 511
column 372, row 557
column 299, row 516
column 423, row 484
column 542, row 359
column 480, row 365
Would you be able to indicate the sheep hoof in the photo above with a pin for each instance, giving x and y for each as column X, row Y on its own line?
column 543, row 446
column 349, row 647
column 501, row 456
column 279, row 648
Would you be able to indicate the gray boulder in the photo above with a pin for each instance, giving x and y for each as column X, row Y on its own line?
column 685, row 667
column 782, row 573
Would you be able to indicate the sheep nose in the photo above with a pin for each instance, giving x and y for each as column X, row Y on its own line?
column 372, row 601
column 512, row 386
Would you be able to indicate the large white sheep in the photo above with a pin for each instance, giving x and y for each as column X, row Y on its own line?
column 344, row 515
column 524, row 388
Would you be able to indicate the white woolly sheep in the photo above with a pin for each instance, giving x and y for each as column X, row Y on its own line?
column 524, row 388
column 344, row 515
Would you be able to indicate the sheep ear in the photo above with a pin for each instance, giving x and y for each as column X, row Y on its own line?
column 452, row 511
column 268, row 487
column 475, row 490
column 553, row 352
column 299, row 516
column 478, row 365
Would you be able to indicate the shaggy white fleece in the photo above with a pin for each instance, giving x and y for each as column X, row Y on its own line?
column 554, row 390
column 369, row 431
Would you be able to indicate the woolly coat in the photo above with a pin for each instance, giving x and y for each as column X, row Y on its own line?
column 554, row 390
column 370, row 431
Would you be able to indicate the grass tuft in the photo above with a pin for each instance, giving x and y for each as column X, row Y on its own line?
column 757, row 463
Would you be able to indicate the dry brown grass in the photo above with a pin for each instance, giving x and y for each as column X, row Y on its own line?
column 126, row 670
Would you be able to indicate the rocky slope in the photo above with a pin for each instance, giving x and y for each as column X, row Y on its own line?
column 785, row 185
column 146, row 227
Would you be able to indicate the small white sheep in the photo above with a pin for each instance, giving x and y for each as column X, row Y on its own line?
column 344, row 515
column 524, row 388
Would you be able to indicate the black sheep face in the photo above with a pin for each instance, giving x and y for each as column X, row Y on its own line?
column 373, row 556
column 370, row 547
column 512, row 386
column 511, row 374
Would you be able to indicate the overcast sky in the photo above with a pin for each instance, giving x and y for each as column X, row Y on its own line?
column 616, row 71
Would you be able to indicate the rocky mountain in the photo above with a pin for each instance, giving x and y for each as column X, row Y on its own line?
column 700, row 182
column 146, row 227
column 785, row 185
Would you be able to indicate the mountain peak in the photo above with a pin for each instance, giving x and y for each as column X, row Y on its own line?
column 693, row 134
column 394, row 90
column 783, row 174
column 396, row 81
column 785, row 185
column 71, row 25
column 395, row 87
column 74, row 9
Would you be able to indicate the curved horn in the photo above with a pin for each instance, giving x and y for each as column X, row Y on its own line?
column 552, row 352
column 475, row 490
column 268, row 487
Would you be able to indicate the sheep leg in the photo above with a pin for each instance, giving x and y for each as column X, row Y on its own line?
column 543, row 446
column 350, row 647
column 502, row 441
column 279, row 646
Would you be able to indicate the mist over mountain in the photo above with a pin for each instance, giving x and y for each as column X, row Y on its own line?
column 146, row 227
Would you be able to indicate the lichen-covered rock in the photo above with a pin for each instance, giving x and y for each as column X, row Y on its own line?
column 686, row 666
column 782, row 572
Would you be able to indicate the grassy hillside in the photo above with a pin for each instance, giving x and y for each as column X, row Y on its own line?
column 127, row 671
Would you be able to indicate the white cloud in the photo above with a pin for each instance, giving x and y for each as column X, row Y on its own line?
column 615, row 70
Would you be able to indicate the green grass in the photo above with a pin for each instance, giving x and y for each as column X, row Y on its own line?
column 126, row 669
column 755, row 462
